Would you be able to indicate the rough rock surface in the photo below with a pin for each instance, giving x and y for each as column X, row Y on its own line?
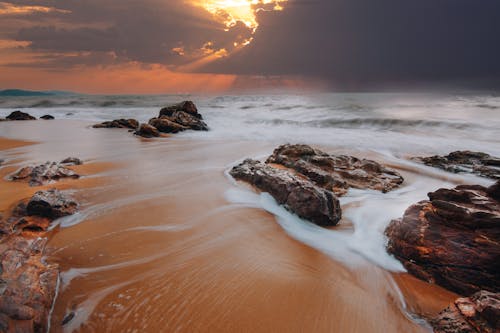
column 47, row 117
column 43, row 173
column 465, row 161
column 300, row 196
column 118, row 123
column 165, row 125
column 337, row 173
column 453, row 239
column 19, row 115
column 147, row 131
column 185, row 106
column 72, row 161
column 187, row 120
column 27, row 283
column 479, row 313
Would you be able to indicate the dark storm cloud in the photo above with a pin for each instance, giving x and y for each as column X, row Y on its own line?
column 357, row 42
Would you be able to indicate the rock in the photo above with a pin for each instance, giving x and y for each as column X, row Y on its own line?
column 43, row 173
column 479, row 313
column 147, row 131
column 18, row 115
column 118, row 123
column 72, row 161
column 465, row 162
column 163, row 124
column 452, row 240
column 337, row 173
column 187, row 120
column 52, row 204
column 47, row 117
column 186, row 106
column 298, row 195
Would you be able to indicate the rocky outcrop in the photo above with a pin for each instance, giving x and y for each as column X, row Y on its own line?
column 118, row 123
column 165, row 125
column 300, row 196
column 27, row 283
column 187, row 120
column 479, row 313
column 43, row 173
column 47, row 117
column 72, row 161
column 19, row 115
column 147, row 131
column 337, row 173
column 185, row 106
column 452, row 239
column 465, row 162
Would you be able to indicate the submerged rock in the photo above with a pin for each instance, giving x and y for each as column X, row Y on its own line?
column 43, row 173
column 51, row 204
column 165, row 125
column 337, row 173
column 147, row 131
column 479, row 313
column 298, row 195
column 477, row 163
column 47, row 117
column 72, row 161
column 185, row 106
column 118, row 123
column 19, row 115
column 453, row 239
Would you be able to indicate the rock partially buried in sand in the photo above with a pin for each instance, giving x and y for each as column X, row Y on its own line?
column 337, row 173
column 72, row 161
column 300, row 196
column 453, row 239
column 477, row 163
column 43, row 173
column 47, row 117
column 479, row 313
column 165, row 125
column 185, row 106
column 52, row 204
column 119, row 123
column 18, row 115
column 147, row 131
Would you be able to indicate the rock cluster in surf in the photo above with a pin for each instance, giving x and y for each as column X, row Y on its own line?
column 171, row 119
column 47, row 172
column 19, row 115
column 465, row 161
column 27, row 283
column 307, row 181
column 479, row 313
column 452, row 239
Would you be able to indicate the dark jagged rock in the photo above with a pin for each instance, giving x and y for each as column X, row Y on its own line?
column 465, row 162
column 337, row 173
column 72, row 161
column 43, row 173
column 51, row 204
column 147, row 131
column 479, row 313
column 18, row 115
column 453, row 239
column 163, row 124
column 118, row 123
column 298, row 195
column 47, row 117
column 187, row 120
column 186, row 106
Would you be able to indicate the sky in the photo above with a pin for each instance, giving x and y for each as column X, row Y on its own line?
column 159, row 46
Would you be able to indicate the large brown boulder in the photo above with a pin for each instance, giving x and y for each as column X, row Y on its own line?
column 466, row 161
column 187, row 120
column 185, row 106
column 118, row 123
column 19, row 115
column 337, row 173
column 453, row 239
column 479, row 313
column 43, row 173
column 298, row 195
column 51, row 204
column 147, row 131
column 164, row 125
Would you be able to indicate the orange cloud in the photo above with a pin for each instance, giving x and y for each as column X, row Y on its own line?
column 7, row 8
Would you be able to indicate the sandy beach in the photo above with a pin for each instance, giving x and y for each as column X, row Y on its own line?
column 156, row 246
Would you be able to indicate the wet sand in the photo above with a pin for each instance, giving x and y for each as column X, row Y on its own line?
column 158, row 248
